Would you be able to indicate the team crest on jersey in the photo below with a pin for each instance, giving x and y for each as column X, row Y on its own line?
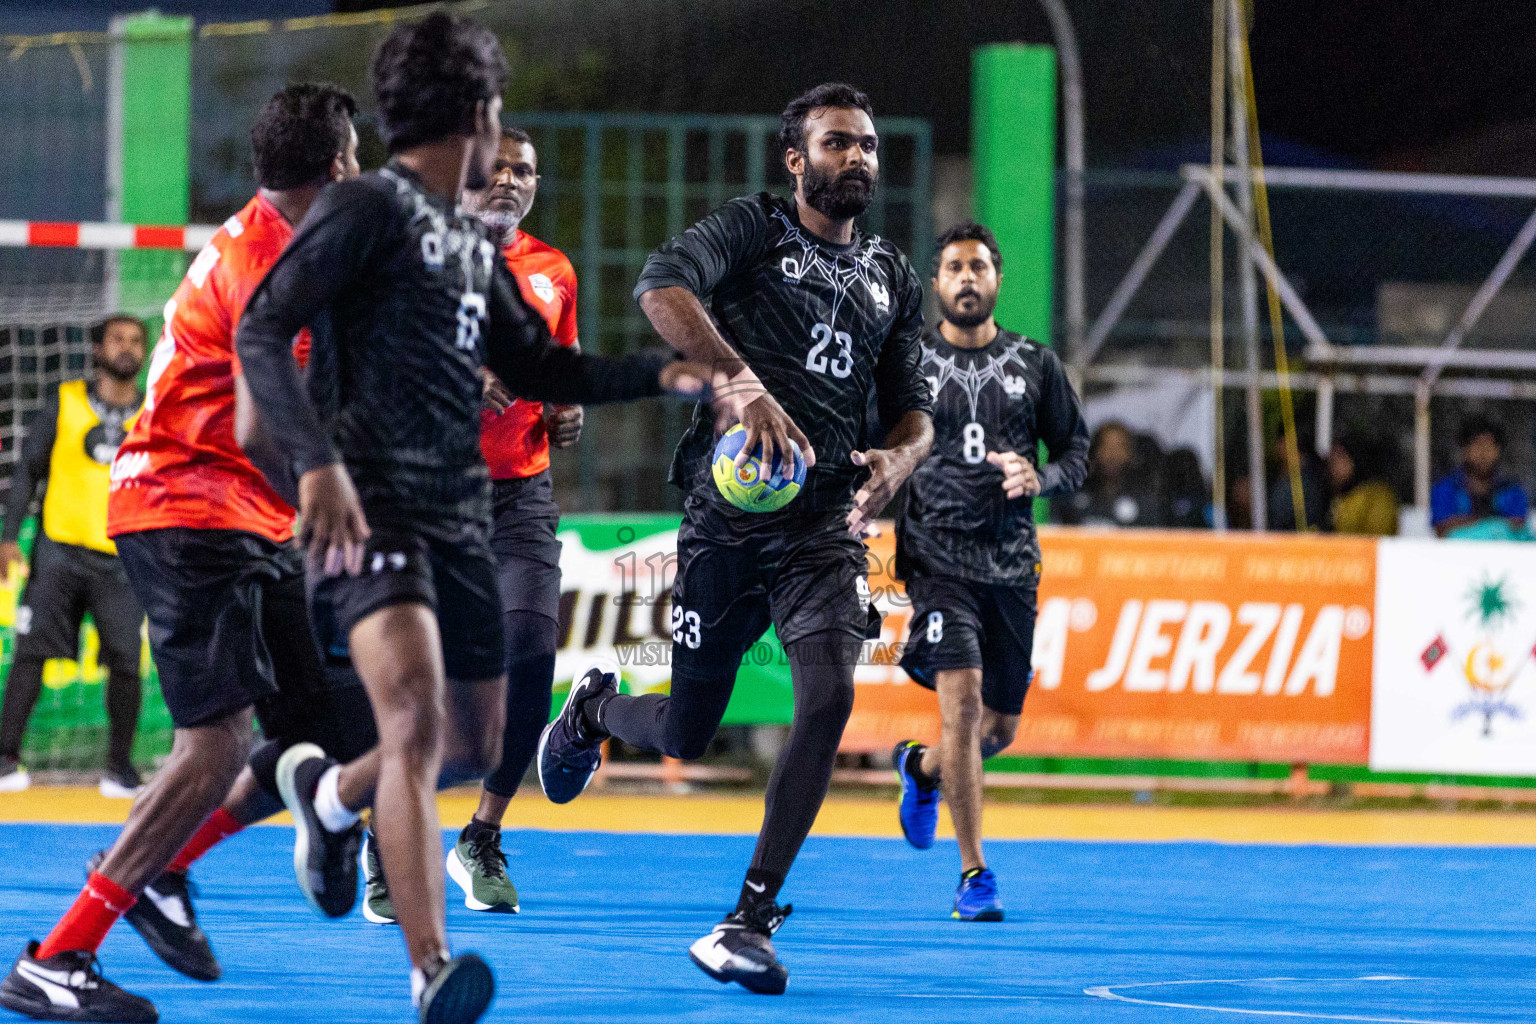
column 881, row 294
column 1013, row 385
column 542, row 286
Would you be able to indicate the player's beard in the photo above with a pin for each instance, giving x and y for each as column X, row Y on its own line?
column 984, row 308
column 838, row 196
column 503, row 222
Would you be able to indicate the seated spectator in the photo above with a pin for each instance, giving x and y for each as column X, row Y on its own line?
column 1478, row 491
column 1364, row 502
column 1119, row 491
column 1187, row 495
column 1281, row 512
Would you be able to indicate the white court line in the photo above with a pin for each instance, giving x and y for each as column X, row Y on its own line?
column 1107, row 992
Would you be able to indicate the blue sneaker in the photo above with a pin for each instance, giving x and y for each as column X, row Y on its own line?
column 568, row 754
column 919, row 811
column 976, row 899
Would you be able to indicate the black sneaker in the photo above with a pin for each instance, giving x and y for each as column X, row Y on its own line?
column 13, row 776
column 569, row 752
column 69, row 986
column 458, row 993
column 324, row 862
column 120, row 782
column 740, row 949
column 165, row 919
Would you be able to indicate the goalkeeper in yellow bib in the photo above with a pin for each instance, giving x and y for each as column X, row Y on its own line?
column 67, row 452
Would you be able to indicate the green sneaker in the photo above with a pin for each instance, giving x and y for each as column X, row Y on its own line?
column 376, row 904
column 480, row 868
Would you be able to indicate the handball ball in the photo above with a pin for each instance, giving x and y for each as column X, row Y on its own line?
column 752, row 486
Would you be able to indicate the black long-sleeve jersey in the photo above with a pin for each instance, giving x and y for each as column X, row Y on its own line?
column 822, row 325
column 1006, row 396
column 407, row 298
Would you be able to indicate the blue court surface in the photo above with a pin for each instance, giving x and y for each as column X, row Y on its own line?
column 1113, row 932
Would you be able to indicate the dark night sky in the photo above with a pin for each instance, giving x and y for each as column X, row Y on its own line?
column 1369, row 81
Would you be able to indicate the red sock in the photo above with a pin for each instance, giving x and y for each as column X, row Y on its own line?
column 219, row 827
column 85, row 924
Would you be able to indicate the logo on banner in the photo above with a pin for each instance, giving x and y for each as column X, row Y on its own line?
column 1490, row 655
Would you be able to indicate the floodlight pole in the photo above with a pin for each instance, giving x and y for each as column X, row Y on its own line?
column 1248, row 279
column 1074, row 233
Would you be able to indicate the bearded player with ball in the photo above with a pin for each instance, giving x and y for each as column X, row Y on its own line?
column 804, row 318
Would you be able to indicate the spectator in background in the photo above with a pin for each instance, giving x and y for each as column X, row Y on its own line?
column 1281, row 511
column 1364, row 502
column 1477, row 499
column 1187, row 495
column 68, row 451
column 1119, row 491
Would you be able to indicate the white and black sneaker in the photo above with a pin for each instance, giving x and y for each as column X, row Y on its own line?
column 13, row 776
column 324, row 862
column 120, row 782
column 69, row 986
column 740, row 949
column 569, row 750
column 166, row 920
column 458, row 992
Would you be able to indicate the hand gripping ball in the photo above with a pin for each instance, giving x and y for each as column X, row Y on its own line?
column 754, row 487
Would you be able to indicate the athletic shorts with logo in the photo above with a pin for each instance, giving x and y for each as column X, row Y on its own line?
column 65, row 582
column 525, row 520
column 961, row 624
column 451, row 572
column 737, row 573
column 228, row 629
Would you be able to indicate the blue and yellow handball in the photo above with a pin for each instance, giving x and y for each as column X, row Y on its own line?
column 752, row 486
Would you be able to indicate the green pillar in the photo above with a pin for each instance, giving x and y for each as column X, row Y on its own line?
column 153, row 104
column 1013, row 167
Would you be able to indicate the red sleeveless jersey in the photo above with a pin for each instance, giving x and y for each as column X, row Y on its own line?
column 180, row 465
column 514, row 441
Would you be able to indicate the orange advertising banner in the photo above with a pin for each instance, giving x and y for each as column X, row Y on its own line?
column 1168, row 645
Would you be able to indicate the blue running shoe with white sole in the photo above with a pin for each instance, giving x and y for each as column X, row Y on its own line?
column 919, row 810
column 569, row 752
column 976, row 899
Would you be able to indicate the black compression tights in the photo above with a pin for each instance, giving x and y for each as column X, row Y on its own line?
column 25, row 683
column 682, row 725
column 530, row 678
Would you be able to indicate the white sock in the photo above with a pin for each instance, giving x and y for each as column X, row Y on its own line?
column 333, row 815
column 418, row 986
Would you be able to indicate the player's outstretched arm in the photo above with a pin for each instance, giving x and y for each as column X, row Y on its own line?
column 907, row 445
column 521, row 354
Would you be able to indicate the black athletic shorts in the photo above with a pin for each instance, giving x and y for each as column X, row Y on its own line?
column 64, row 583
column 320, row 701
column 202, row 593
column 958, row 624
column 523, row 525
column 455, row 577
column 805, row 574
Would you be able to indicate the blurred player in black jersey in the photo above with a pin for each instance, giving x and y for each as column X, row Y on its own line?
column 802, row 317
column 408, row 299
column 967, row 548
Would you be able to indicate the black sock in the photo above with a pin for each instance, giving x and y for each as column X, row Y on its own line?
column 760, row 887
column 591, row 716
column 966, row 876
column 915, row 769
column 477, row 827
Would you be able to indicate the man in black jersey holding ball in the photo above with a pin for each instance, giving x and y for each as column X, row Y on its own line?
column 967, row 548
column 802, row 317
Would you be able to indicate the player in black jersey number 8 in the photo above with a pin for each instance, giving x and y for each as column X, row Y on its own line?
column 967, row 549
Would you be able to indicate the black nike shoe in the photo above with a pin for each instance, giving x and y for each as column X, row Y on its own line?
column 569, row 751
column 459, row 993
column 69, row 986
column 740, row 949
column 324, row 862
column 165, row 918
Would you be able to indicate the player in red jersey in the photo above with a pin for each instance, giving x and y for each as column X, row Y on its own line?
column 207, row 544
column 515, row 436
